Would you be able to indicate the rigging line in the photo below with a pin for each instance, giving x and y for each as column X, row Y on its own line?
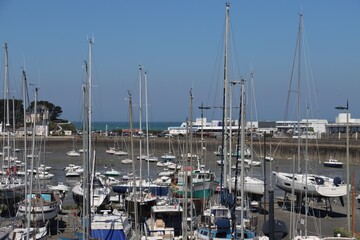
column 217, row 79
column 99, row 101
column 236, row 55
column 310, row 77
column 292, row 74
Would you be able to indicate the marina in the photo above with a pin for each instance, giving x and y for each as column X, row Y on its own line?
column 215, row 177
column 58, row 160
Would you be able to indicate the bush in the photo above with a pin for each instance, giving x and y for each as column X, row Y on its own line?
column 342, row 231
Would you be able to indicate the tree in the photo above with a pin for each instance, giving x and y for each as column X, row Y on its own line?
column 19, row 113
column 54, row 111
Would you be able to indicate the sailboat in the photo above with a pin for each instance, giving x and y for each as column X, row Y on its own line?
column 11, row 187
column 92, row 192
column 192, row 180
column 228, row 219
column 73, row 152
column 315, row 185
column 139, row 201
column 40, row 205
column 304, row 185
column 169, row 155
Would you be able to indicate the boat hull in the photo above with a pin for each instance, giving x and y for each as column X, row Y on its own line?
column 317, row 186
column 200, row 190
column 40, row 213
column 333, row 165
column 143, row 207
column 155, row 190
column 110, row 226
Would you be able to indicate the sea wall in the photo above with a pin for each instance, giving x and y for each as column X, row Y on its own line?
column 280, row 148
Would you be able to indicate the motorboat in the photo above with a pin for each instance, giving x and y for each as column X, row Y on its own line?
column 333, row 163
column 120, row 153
column 100, row 193
column 165, row 221
column 112, row 172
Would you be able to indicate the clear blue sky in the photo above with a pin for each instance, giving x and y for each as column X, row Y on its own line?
column 180, row 44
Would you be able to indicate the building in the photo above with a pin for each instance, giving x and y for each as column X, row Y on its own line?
column 312, row 128
column 339, row 126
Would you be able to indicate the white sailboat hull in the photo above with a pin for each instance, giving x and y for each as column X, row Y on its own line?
column 317, row 185
column 252, row 185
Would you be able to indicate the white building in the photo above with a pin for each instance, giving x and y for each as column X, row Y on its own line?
column 315, row 127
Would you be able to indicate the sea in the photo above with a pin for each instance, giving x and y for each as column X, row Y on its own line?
column 110, row 126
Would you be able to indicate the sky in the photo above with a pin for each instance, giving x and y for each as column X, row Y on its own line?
column 180, row 45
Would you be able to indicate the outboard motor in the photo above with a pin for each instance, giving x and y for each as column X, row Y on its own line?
column 319, row 180
column 337, row 181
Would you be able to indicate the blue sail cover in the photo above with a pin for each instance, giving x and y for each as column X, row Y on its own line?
column 108, row 234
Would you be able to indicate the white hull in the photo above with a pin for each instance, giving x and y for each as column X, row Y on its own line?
column 73, row 153
column 40, row 213
column 252, row 185
column 126, row 161
column 120, row 153
column 168, row 157
column 34, row 233
column 317, row 185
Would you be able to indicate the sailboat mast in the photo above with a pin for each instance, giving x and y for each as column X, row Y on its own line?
column 13, row 121
column 6, row 92
column 88, row 174
column 306, row 170
column 224, row 119
column 242, row 173
column 136, row 237
column 32, row 152
column 90, row 97
column 6, row 84
column 140, row 124
column 298, row 92
column 24, row 91
column 147, row 126
column 191, row 161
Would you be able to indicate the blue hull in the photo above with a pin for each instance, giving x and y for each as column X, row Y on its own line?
column 157, row 191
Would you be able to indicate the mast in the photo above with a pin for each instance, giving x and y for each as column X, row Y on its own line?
column 24, row 91
column 136, row 237
column 191, row 162
column 33, row 151
column 232, row 84
column 88, row 174
column 298, row 92
column 140, row 125
column 13, row 123
column 306, row 170
column 224, row 119
column 202, row 147
column 147, row 126
column 7, row 111
column 6, row 84
column 185, row 187
column 242, row 173
column 85, row 143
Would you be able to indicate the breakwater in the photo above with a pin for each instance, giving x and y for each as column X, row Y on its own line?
column 279, row 148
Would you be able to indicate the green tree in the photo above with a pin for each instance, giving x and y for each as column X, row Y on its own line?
column 54, row 111
column 18, row 113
